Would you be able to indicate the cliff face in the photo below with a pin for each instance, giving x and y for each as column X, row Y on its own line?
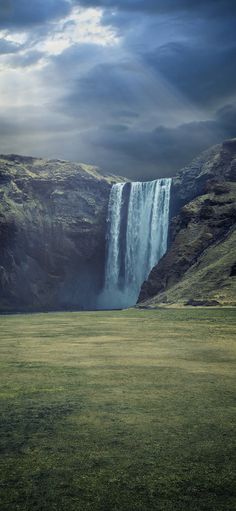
column 52, row 234
column 53, row 228
column 199, row 266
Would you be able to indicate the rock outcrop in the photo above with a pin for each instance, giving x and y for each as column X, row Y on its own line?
column 52, row 234
column 53, row 229
column 199, row 266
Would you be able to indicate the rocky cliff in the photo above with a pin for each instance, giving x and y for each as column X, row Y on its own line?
column 53, row 228
column 52, row 234
column 200, row 264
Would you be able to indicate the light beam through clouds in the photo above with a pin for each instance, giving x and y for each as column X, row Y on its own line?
column 136, row 89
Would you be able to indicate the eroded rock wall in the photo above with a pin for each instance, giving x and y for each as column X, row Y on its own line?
column 52, row 234
column 203, row 215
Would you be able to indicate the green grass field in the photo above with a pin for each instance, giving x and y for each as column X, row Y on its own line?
column 118, row 411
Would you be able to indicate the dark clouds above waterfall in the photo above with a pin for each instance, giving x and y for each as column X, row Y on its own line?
column 138, row 87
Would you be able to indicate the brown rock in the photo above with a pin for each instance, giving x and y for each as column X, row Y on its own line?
column 52, row 233
column 203, row 214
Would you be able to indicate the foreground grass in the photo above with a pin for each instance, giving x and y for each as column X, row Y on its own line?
column 118, row 411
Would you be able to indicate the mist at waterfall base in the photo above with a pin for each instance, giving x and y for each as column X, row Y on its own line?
column 137, row 232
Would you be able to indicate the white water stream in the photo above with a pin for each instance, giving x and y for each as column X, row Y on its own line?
column 136, row 238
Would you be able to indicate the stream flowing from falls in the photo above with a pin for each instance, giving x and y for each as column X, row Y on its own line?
column 137, row 232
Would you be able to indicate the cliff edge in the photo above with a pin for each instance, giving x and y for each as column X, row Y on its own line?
column 199, row 267
column 52, row 233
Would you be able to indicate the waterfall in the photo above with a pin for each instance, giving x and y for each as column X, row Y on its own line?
column 137, row 231
column 113, row 237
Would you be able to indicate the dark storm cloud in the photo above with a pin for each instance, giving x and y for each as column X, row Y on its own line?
column 194, row 53
column 143, row 107
column 226, row 118
column 164, row 6
column 114, row 91
column 203, row 74
column 196, row 59
column 24, row 13
column 160, row 152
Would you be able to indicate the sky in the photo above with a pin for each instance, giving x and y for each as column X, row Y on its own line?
column 137, row 87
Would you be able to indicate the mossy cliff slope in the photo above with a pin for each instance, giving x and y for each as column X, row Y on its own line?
column 52, row 233
column 200, row 264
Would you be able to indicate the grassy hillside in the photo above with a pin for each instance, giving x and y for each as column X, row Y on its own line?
column 200, row 262
column 212, row 279
column 125, row 411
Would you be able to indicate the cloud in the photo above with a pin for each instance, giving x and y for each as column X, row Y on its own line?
column 212, row 7
column 119, row 88
column 138, row 87
column 162, row 151
column 27, row 59
column 226, row 119
column 25, row 13
column 114, row 89
column 132, row 152
column 202, row 76
column 7, row 47
column 8, row 128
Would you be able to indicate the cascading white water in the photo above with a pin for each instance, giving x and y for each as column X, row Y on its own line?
column 113, row 237
column 138, row 218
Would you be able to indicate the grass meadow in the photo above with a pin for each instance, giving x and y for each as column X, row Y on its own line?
column 118, row 411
